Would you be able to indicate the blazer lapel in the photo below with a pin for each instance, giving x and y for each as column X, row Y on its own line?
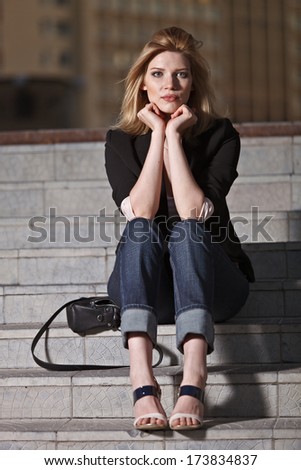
column 133, row 151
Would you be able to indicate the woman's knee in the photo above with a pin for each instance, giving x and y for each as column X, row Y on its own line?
column 187, row 231
column 142, row 231
column 190, row 238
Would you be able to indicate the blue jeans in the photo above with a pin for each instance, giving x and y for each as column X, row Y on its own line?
column 186, row 280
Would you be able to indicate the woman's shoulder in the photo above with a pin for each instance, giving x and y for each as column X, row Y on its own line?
column 222, row 127
column 126, row 143
column 219, row 131
column 117, row 135
column 119, row 142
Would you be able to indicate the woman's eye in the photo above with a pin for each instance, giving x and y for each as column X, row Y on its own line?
column 182, row 74
column 157, row 74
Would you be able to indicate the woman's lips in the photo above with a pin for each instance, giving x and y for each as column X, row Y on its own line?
column 170, row 98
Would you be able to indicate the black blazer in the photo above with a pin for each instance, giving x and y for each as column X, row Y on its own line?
column 212, row 156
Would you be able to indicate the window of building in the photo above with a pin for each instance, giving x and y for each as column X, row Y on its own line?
column 46, row 2
column 66, row 58
column 45, row 58
column 64, row 28
column 55, row 2
column 63, row 2
column 46, row 26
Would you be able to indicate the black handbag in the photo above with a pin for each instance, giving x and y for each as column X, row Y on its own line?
column 85, row 315
column 93, row 313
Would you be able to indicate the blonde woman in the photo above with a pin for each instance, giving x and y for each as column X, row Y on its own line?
column 171, row 161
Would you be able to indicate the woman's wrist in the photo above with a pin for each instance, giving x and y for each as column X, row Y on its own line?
column 159, row 133
column 173, row 136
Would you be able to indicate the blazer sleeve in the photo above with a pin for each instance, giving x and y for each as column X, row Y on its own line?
column 221, row 171
column 120, row 165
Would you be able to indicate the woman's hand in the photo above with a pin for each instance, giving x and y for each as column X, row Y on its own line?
column 152, row 117
column 183, row 118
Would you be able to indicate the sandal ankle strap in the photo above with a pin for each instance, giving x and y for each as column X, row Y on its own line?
column 192, row 391
column 144, row 391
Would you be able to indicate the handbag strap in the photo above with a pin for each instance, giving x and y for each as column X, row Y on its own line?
column 73, row 367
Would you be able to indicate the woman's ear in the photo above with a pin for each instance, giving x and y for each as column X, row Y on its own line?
column 143, row 87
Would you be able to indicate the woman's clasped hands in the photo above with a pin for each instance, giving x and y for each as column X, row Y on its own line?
column 183, row 118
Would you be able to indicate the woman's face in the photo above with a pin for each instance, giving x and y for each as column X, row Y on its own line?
column 168, row 81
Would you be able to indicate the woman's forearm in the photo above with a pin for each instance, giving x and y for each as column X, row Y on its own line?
column 188, row 196
column 145, row 195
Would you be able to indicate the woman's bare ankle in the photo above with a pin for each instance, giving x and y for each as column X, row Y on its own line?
column 195, row 371
column 140, row 349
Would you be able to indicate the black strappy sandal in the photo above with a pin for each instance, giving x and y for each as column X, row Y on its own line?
column 195, row 392
column 144, row 391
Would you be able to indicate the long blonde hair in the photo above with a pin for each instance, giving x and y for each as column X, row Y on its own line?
column 202, row 97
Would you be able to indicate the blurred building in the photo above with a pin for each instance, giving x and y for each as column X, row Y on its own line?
column 38, row 65
column 62, row 61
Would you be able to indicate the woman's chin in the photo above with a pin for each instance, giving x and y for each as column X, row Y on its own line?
column 168, row 109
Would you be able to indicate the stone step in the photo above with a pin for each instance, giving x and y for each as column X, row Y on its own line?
column 83, row 198
column 61, row 232
column 254, row 388
column 119, row 434
column 257, row 226
column 53, row 231
column 57, row 266
column 240, row 391
column 277, row 299
column 268, row 193
column 34, row 304
column 53, row 162
column 275, row 260
column 270, row 156
column 65, row 266
column 67, row 198
column 78, row 161
column 258, row 343
column 70, row 180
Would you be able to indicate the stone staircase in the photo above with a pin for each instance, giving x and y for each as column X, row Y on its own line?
column 58, row 232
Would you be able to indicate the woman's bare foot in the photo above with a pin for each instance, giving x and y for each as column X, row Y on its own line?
column 188, row 405
column 149, row 405
column 194, row 374
column 141, row 375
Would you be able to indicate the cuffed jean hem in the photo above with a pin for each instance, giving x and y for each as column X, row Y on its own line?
column 196, row 321
column 138, row 319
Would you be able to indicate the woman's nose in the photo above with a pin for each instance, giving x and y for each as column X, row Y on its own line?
column 170, row 82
